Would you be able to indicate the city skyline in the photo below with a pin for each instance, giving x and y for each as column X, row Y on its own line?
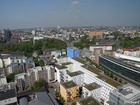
column 66, row 13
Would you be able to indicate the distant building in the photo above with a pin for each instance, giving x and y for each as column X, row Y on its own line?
column 87, row 101
column 73, row 52
column 103, row 47
column 7, row 35
column 33, row 32
column 69, row 91
column 95, row 34
column 126, row 95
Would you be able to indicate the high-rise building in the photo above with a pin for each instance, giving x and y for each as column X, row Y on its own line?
column 7, row 35
column 73, row 52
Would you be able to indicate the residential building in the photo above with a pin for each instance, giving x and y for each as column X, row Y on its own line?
column 125, row 95
column 87, row 101
column 73, row 52
column 93, row 90
column 61, row 73
column 69, row 91
column 126, row 71
column 20, row 80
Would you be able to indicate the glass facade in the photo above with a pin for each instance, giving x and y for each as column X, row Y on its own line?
column 128, row 72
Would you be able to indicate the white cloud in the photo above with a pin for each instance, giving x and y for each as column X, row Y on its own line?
column 75, row 2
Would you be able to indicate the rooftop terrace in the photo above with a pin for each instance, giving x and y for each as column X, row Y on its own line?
column 92, row 86
column 69, row 84
column 88, row 101
column 75, row 73
column 61, row 67
column 98, row 72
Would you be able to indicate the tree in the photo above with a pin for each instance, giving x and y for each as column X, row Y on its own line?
column 74, row 103
column 111, row 75
column 116, row 78
column 41, row 63
column 120, row 80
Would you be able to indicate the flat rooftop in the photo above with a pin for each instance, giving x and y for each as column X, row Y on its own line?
column 92, row 86
column 69, row 84
column 129, row 91
column 88, row 101
column 75, row 73
column 67, row 63
column 98, row 72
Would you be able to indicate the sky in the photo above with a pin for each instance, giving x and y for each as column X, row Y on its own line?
column 17, row 14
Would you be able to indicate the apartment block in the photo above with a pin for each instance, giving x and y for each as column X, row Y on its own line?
column 69, row 91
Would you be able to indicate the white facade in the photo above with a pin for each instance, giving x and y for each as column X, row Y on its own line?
column 56, row 53
column 3, row 80
column 78, row 79
column 118, row 55
column 63, row 60
column 61, row 74
column 4, row 62
column 33, row 32
column 90, row 77
column 91, row 48
column 95, row 93
column 38, row 37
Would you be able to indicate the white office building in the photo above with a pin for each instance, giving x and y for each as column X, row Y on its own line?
column 90, row 75
column 77, row 77
column 126, row 95
column 93, row 90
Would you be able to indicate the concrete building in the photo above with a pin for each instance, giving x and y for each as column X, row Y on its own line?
column 20, row 80
column 3, row 80
column 61, row 73
column 69, row 91
column 73, row 52
column 92, row 74
column 93, row 90
column 126, row 95
column 87, row 101
column 103, row 47
column 77, row 77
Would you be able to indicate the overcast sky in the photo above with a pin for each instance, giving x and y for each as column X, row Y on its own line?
column 52, row 13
